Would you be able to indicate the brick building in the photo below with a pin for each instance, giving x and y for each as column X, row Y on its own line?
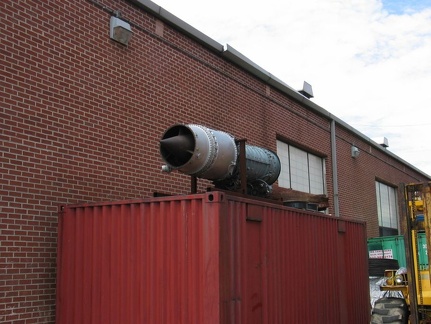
column 82, row 116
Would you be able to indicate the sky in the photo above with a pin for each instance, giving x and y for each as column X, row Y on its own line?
column 368, row 61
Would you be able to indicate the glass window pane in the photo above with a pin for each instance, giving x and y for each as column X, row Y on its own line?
column 299, row 169
column 384, row 201
column 283, row 154
column 316, row 174
column 393, row 215
column 379, row 209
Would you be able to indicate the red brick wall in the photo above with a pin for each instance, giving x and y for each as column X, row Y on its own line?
column 357, row 178
column 82, row 116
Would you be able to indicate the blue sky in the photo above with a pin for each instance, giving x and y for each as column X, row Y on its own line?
column 368, row 61
column 399, row 7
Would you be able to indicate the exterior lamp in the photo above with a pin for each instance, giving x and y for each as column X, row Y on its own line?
column 355, row 151
column 120, row 31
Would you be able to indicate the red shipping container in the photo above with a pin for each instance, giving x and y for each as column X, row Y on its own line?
column 209, row 258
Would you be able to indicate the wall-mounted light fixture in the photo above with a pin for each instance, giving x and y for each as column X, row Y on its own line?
column 355, row 152
column 120, row 31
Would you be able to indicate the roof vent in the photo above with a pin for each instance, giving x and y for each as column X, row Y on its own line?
column 382, row 141
column 307, row 90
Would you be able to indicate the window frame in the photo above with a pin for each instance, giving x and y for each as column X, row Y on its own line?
column 388, row 213
column 289, row 155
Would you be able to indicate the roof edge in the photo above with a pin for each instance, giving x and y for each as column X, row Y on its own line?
column 177, row 23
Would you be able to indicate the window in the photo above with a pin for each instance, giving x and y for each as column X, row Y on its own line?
column 387, row 210
column 300, row 170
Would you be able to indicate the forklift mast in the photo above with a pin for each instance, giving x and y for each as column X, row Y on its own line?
column 417, row 209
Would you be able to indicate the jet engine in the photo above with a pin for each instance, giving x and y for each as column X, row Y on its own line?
column 211, row 154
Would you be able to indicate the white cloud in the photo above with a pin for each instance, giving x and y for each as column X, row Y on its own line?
column 368, row 67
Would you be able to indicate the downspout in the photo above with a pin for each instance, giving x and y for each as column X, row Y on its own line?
column 334, row 169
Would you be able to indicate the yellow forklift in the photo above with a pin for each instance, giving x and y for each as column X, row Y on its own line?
column 414, row 284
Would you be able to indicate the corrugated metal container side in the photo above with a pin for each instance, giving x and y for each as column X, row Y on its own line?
column 422, row 251
column 209, row 258
column 393, row 247
column 388, row 247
